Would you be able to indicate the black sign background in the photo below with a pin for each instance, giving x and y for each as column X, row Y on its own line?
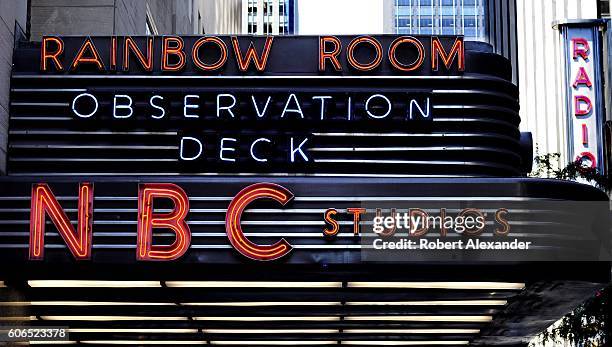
column 473, row 129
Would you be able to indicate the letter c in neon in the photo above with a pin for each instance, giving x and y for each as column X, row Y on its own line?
column 234, row 213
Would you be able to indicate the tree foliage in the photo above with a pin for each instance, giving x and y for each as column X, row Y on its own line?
column 547, row 165
column 589, row 324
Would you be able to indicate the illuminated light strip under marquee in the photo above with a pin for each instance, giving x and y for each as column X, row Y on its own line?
column 293, row 284
column 262, row 303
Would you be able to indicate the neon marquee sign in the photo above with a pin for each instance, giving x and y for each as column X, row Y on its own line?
column 227, row 125
column 173, row 54
column 79, row 240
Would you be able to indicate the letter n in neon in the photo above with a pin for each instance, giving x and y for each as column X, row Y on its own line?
column 45, row 203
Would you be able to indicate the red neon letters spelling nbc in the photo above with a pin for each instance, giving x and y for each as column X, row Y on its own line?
column 79, row 242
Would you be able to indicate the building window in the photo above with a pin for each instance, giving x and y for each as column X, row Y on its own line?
column 604, row 8
column 252, row 17
column 442, row 17
column 200, row 25
column 283, row 17
column 276, row 17
column 149, row 27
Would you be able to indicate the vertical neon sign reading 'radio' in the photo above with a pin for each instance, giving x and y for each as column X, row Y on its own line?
column 584, row 92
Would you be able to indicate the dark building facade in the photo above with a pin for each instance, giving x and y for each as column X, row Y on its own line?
column 111, row 17
column 13, row 14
